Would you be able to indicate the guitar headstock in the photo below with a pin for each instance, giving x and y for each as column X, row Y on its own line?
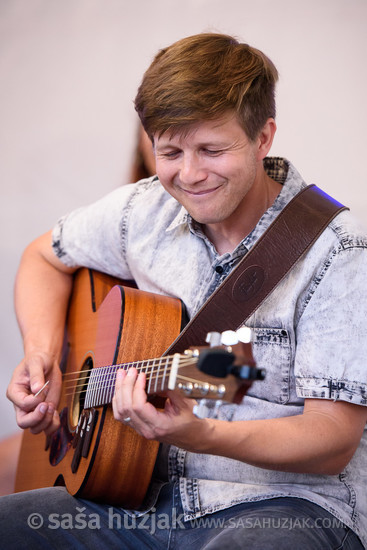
column 228, row 356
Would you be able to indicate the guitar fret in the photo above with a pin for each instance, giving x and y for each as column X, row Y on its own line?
column 86, row 399
column 88, row 402
column 93, row 388
column 99, row 386
column 153, row 376
column 112, row 385
column 102, row 378
column 157, row 375
column 145, row 366
column 149, row 375
column 106, row 385
column 173, row 372
column 164, row 374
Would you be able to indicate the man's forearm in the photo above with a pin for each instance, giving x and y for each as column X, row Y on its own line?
column 318, row 441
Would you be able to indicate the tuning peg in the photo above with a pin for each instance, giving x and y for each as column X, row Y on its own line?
column 213, row 339
column 244, row 334
column 229, row 338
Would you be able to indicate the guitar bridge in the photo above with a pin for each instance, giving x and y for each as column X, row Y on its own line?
column 83, row 436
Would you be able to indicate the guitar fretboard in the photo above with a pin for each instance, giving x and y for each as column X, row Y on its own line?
column 161, row 374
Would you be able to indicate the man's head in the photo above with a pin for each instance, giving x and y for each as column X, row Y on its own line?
column 204, row 77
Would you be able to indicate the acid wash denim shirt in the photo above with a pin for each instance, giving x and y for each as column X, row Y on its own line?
column 310, row 334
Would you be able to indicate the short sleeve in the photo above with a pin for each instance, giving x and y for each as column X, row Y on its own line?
column 331, row 346
column 92, row 236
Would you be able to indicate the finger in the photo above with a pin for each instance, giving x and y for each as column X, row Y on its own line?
column 36, row 367
column 178, row 402
column 27, row 382
column 139, row 394
column 19, row 394
column 130, row 396
column 122, row 399
column 38, row 419
column 116, row 402
column 22, row 399
column 53, row 389
column 51, row 424
column 127, row 387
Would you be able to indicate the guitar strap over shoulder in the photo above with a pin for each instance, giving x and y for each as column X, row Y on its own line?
column 285, row 241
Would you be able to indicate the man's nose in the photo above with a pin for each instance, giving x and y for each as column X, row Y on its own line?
column 192, row 170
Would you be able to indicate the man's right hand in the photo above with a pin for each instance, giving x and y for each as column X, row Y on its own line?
column 37, row 412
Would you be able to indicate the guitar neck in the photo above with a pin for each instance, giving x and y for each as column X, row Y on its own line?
column 161, row 375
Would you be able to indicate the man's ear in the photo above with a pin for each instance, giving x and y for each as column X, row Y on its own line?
column 265, row 138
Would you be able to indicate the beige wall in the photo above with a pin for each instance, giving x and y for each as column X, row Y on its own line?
column 68, row 74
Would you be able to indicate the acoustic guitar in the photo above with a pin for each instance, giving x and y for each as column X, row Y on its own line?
column 112, row 326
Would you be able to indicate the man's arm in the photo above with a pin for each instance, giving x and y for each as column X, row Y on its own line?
column 322, row 440
column 42, row 290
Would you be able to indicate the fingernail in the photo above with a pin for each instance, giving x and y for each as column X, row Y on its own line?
column 43, row 408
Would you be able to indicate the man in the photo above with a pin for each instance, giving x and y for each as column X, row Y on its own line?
column 287, row 467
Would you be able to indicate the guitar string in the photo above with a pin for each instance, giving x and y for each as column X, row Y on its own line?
column 112, row 386
column 100, row 384
column 109, row 370
column 129, row 364
column 101, row 378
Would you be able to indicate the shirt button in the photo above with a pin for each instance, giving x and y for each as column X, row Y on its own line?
column 219, row 269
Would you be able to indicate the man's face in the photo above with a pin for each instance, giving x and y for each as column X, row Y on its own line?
column 209, row 168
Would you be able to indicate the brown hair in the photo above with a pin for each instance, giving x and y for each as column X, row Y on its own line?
column 203, row 77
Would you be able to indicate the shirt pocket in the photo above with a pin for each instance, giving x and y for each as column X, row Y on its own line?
column 272, row 352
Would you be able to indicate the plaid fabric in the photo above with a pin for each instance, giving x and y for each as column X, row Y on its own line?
column 276, row 168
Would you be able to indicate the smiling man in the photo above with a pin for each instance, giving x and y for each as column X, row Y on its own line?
column 217, row 174
column 293, row 453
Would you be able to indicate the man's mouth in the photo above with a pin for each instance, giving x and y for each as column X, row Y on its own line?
column 201, row 192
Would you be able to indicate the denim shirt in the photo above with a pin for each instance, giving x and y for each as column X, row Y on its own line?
column 309, row 334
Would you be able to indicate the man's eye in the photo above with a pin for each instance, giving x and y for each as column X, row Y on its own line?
column 213, row 152
column 169, row 154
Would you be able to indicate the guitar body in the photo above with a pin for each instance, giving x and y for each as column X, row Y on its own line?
column 107, row 324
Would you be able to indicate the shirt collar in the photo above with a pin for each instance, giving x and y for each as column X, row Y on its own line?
column 181, row 218
column 278, row 168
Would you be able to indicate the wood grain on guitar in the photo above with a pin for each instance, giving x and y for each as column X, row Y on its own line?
column 111, row 326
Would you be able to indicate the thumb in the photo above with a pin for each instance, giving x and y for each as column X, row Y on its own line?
column 36, row 369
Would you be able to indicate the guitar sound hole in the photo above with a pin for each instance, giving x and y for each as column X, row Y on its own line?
column 60, row 442
column 80, row 390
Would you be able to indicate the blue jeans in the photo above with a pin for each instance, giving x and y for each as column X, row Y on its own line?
column 51, row 518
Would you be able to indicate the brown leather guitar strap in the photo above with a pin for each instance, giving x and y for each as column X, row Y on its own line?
column 285, row 241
